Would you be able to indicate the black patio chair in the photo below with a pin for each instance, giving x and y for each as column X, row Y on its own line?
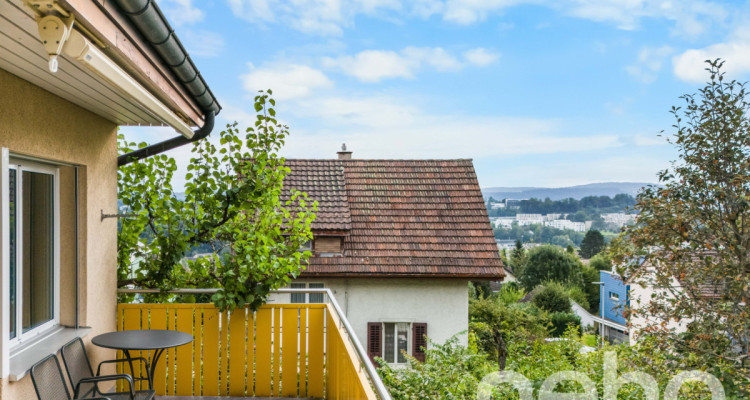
column 84, row 381
column 49, row 382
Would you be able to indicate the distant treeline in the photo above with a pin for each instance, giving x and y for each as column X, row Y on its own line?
column 591, row 205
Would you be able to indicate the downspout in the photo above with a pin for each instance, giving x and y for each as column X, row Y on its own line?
column 148, row 151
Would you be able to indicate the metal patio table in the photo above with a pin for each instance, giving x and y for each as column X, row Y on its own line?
column 143, row 340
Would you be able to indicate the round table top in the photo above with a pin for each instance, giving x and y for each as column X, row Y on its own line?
column 147, row 339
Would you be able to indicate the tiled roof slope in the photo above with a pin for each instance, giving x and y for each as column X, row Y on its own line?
column 408, row 218
column 322, row 180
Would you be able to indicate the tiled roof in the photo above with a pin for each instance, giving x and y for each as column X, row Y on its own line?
column 322, row 180
column 404, row 217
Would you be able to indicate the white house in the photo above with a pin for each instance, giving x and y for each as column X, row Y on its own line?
column 397, row 241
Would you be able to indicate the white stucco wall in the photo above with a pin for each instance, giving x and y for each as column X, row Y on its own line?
column 441, row 303
column 640, row 297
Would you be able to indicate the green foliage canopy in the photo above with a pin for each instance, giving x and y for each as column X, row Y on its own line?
column 550, row 263
column 232, row 204
column 592, row 244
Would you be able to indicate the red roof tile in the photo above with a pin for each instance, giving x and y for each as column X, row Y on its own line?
column 403, row 217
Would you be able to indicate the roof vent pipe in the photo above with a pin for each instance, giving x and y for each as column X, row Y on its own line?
column 344, row 154
column 148, row 151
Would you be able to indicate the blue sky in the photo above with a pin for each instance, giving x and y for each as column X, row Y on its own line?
column 537, row 92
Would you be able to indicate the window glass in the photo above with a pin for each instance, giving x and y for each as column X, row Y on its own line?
column 389, row 342
column 38, row 249
column 403, row 340
column 13, row 244
column 297, row 298
column 316, row 297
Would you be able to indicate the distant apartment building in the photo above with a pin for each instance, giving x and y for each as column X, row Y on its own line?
column 496, row 206
column 619, row 219
column 565, row 224
column 504, row 222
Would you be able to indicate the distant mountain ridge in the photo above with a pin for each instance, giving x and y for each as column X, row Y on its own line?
column 577, row 192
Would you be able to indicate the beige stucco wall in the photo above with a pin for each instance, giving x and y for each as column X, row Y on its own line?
column 37, row 123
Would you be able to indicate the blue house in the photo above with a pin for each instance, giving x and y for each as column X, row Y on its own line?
column 615, row 298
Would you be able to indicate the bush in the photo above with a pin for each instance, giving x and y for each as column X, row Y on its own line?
column 552, row 299
column 574, row 292
column 510, row 294
column 450, row 371
column 562, row 321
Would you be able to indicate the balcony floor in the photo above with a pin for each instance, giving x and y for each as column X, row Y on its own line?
column 225, row 398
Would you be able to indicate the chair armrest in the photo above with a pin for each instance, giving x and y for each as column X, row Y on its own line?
column 120, row 360
column 104, row 378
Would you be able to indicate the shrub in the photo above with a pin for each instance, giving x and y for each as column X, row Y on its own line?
column 552, row 299
column 562, row 321
column 450, row 371
column 510, row 294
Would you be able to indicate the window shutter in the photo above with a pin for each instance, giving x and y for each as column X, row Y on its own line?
column 419, row 337
column 374, row 340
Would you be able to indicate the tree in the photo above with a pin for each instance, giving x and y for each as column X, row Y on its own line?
column 517, row 258
column 550, row 263
column 601, row 262
column 232, row 204
column 692, row 236
column 592, row 244
column 497, row 325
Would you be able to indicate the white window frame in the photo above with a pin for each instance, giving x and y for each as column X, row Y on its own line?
column 21, row 337
column 306, row 285
column 614, row 296
column 409, row 340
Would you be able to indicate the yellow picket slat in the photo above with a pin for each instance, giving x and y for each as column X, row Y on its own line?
column 223, row 368
column 183, row 355
column 132, row 317
column 315, row 353
column 263, row 352
column 250, row 353
column 289, row 361
column 211, row 318
column 237, row 362
column 276, row 351
column 197, row 351
column 303, row 352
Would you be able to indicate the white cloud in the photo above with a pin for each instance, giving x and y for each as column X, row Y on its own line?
column 331, row 17
column 200, row 43
column 735, row 51
column 649, row 63
column 480, row 57
column 181, row 12
column 287, row 81
column 649, row 140
column 396, row 127
column 376, row 65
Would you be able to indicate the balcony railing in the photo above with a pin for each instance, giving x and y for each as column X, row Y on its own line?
column 280, row 350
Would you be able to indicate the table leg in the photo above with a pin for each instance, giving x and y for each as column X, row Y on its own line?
column 130, row 361
column 154, row 360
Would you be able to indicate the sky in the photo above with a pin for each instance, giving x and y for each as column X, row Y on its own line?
column 537, row 92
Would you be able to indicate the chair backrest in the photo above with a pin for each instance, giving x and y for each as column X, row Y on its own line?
column 48, row 380
column 76, row 361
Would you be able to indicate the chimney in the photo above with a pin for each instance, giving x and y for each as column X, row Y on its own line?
column 344, row 154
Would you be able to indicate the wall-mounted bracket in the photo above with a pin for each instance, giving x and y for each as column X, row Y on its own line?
column 53, row 31
column 105, row 216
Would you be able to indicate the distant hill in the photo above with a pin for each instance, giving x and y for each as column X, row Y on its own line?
column 577, row 192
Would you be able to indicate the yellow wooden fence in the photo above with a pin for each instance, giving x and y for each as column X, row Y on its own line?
column 281, row 350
